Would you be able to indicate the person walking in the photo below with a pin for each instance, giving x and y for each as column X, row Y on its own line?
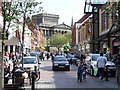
column 101, row 61
column 84, row 69
column 80, row 71
column 48, row 56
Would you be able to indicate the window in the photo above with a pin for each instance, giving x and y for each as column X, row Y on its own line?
column 104, row 21
column 29, row 61
column 95, row 57
column 60, row 59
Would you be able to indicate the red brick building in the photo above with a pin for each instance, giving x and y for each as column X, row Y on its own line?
column 37, row 37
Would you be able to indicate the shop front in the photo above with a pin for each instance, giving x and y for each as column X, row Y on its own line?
column 116, row 45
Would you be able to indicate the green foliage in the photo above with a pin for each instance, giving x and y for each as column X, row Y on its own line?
column 17, row 12
column 8, row 13
column 58, row 40
column 68, row 36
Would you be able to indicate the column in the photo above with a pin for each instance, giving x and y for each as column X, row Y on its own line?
column 13, row 48
column 45, row 33
column 8, row 49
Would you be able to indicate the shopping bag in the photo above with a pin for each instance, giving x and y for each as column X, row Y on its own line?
column 95, row 71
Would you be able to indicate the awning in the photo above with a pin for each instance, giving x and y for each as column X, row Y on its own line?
column 12, row 41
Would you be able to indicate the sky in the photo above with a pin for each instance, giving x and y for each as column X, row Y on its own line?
column 66, row 9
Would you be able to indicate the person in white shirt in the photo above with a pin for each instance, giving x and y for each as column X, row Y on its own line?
column 101, row 61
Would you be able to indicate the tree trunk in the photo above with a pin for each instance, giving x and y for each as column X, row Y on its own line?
column 2, row 54
column 22, row 48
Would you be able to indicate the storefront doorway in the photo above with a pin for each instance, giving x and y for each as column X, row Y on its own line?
column 116, row 45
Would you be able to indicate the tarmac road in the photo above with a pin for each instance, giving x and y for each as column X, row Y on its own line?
column 68, row 79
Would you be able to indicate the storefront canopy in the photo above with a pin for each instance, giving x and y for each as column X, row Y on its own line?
column 12, row 41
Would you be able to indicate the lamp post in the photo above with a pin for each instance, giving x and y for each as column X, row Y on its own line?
column 76, row 46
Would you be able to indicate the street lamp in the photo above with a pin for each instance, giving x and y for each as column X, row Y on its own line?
column 76, row 46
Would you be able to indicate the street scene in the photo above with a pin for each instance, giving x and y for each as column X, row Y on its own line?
column 62, row 49
column 68, row 79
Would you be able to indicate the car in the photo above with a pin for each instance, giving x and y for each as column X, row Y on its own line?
column 60, row 62
column 36, row 54
column 33, row 53
column 91, row 61
column 72, row 59
column 30, row 62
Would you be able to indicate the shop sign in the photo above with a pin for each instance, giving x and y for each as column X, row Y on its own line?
column 116, row 42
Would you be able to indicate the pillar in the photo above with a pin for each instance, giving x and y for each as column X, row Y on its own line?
column 8, row 49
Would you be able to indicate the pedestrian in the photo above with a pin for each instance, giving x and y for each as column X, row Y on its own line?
column 80, row 71
column 84, row 69
column 43, row 55
column 12, row 56
column 48, row 56
column 7, row 56
column 116, row 60
column 101, row 61
column 52, row 56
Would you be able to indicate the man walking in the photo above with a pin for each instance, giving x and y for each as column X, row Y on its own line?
column 101, row 61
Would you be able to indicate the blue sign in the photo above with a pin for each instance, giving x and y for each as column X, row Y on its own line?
column 98, row 1
column 90, row 28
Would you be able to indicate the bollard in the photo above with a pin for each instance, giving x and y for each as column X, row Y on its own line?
column 34, row 78
column 106, row 73
column 33, row 81
column 13, row 77
column 35, row 68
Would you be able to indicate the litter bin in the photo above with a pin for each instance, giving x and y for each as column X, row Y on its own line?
column 19, row 79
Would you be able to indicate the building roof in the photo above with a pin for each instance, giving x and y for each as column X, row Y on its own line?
column 62, row 26
column 83, row 18
column 12, row 41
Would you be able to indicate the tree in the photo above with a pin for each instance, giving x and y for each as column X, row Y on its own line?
column 68, row 36
column 58, row 40
column 26, row 9
column 8, row 13
column 12, row 12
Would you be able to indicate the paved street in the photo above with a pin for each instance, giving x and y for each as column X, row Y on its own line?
column 67, row 79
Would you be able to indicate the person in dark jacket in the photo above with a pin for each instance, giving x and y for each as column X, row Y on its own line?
column 80, row 71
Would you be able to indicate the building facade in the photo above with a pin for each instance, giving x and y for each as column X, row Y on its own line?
column 48, row 24
column 99, row 32
column 83, row 36
column 109, row 29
